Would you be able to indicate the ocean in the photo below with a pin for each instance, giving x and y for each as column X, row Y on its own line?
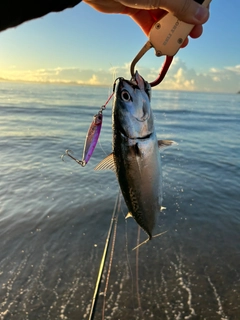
column 55, row 215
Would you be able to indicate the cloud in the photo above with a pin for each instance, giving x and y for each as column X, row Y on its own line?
column 179, row 77
column 235, row 69
column 59, row 75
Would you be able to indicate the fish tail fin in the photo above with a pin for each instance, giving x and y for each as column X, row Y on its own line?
column 149, row 238
column 145, row 241
column 159, row 234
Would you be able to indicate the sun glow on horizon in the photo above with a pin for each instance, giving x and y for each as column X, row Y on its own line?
column 179, row 77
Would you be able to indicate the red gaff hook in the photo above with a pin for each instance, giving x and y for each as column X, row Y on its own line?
column 163, row 71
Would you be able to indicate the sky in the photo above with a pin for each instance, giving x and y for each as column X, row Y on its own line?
column 83, row 46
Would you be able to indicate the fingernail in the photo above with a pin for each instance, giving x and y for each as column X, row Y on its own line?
column 199, row 1
column 201, row 14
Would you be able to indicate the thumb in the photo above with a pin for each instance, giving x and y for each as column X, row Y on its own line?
column 189, row 11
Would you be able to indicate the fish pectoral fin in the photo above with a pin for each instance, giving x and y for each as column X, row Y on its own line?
column 129, row 215
column 165, row 143
column 106, row 164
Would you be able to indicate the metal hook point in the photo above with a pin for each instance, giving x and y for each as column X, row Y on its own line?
column 66, row 153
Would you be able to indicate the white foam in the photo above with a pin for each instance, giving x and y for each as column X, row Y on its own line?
column 220, row 307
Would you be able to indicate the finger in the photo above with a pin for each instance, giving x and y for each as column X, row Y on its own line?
column 196, row 31
column 106, row 6
column 185, row 43
column 145, row 18
column 186, row 10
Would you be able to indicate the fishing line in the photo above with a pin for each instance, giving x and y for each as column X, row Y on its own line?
column 137, row 284
column 111, row 254
column 101, row 267
column 100, row 143
column 128, row 261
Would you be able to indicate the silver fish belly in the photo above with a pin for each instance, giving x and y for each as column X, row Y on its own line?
column 138, row 169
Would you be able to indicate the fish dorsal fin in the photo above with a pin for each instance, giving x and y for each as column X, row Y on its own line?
column 129, row 215
column 106, row 164
column 165, row 143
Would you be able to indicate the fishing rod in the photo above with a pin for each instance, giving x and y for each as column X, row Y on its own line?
column 101, row 267
column 137, row 274
column 110, row 258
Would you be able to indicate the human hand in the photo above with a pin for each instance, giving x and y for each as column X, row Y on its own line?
column 146, row 12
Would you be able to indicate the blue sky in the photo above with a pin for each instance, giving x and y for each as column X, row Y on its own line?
column 81, row 45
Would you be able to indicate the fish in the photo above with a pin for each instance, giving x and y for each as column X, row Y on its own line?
column 135, row 156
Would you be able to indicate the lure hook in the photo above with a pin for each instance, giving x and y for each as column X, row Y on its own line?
column 68, row 153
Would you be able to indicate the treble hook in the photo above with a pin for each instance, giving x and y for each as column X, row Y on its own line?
column 68, row 153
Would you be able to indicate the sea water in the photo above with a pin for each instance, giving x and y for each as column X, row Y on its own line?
column 55, row 215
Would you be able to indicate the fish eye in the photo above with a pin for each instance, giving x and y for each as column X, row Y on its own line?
column 125, row 96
